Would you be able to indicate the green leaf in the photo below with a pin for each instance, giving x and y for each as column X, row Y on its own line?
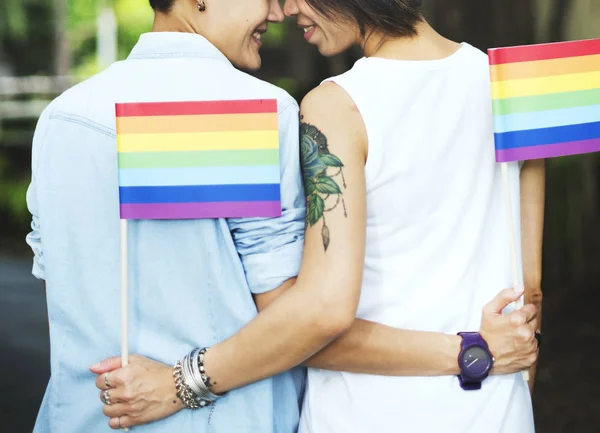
column 326, row 185
column 316, row 206
column 331, row 160
column 309, row 188
column 311, row 163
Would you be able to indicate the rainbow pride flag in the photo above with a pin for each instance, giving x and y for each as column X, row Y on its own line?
column 188, row 160
column 546, row 100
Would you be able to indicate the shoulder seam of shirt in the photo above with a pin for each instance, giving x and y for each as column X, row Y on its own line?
column 83, row 121
column 290, row 101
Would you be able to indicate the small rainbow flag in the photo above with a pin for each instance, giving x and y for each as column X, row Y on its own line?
column 188, row 160
column 546, row 100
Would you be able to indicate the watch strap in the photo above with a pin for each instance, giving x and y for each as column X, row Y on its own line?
column 468, row 386
column 470, row 339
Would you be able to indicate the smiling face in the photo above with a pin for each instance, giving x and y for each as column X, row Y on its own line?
column 331, row 36
column 236, row 27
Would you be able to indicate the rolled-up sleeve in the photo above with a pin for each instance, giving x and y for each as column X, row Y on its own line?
column 271, row 248
column 34, row 238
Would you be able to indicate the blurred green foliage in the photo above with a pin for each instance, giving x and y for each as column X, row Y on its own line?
column 12, row 197
column 30, row 45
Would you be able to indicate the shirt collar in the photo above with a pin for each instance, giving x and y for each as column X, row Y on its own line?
column 175, row 45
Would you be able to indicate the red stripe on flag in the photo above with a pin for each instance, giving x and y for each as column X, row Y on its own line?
column 142, row 109
column 530, row 53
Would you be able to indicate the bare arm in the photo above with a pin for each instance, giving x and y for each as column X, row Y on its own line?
column 372, row 348
column 377, row 349
column 533, row 190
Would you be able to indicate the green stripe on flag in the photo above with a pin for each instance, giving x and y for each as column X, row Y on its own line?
column 199, row 159
column 554, row 101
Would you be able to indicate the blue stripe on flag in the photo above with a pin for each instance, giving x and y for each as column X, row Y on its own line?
column 186, row 176
column 198, row 194
column 537, row 137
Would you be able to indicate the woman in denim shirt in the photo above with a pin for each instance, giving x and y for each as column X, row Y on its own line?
column 192, row 282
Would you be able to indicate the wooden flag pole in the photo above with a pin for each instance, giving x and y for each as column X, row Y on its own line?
column 513, row 243
column 124, row 298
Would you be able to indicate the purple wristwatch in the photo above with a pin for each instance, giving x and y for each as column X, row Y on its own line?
column 475, row 361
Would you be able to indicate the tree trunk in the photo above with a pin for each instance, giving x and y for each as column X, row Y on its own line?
column 559, row 18
column 62, row 57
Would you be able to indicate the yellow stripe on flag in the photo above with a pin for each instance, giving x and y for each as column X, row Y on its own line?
column 244, row 140
column 545, row 85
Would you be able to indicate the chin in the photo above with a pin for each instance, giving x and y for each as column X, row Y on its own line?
column 255, row 65
column 253, row 61
column 329, row 51
column 328, row 48
column 249, row 64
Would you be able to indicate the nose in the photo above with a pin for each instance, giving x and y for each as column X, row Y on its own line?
column 290, row 8
column 275, row 12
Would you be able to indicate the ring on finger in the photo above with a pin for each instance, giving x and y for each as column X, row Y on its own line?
column 106, row 397
column 106, row 384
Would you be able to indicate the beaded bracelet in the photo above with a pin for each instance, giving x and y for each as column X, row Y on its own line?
column 184, row 392
column 191, row 381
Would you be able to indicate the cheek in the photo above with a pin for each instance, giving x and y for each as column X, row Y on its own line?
column 337, row 36
column 304, row 10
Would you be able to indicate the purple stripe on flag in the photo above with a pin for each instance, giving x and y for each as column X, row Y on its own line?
column 170, row 211
column 548, row 150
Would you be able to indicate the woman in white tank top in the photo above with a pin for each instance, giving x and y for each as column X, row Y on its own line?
column 398, row 163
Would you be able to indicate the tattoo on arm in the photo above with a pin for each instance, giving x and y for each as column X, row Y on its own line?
column 322, row 172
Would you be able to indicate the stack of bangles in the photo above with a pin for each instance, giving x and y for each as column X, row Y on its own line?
column 191, row 381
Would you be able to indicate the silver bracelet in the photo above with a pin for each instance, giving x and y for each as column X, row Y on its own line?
column 191, row 381
column 200, row 377
column 184, row 393
column 199, row 386
column 186, row 370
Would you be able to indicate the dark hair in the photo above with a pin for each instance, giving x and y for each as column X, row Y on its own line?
column 394, row 17
column 162, row 5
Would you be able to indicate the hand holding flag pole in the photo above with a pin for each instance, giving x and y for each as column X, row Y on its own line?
column 516, row 276
column 546, row 103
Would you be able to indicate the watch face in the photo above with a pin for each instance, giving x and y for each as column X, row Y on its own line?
column 475, row 361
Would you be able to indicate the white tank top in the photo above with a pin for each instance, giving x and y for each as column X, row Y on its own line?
column 437, row 246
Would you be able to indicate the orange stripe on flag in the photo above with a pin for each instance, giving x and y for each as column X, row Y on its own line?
column 197, row 123
column 545, row 68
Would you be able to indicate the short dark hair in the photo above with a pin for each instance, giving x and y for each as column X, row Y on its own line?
column 162, row 5
column 393, row 17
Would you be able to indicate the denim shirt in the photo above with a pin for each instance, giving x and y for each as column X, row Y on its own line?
column 190, row 281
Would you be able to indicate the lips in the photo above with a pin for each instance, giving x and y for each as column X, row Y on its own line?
column 257, row 35
column 308, row 32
